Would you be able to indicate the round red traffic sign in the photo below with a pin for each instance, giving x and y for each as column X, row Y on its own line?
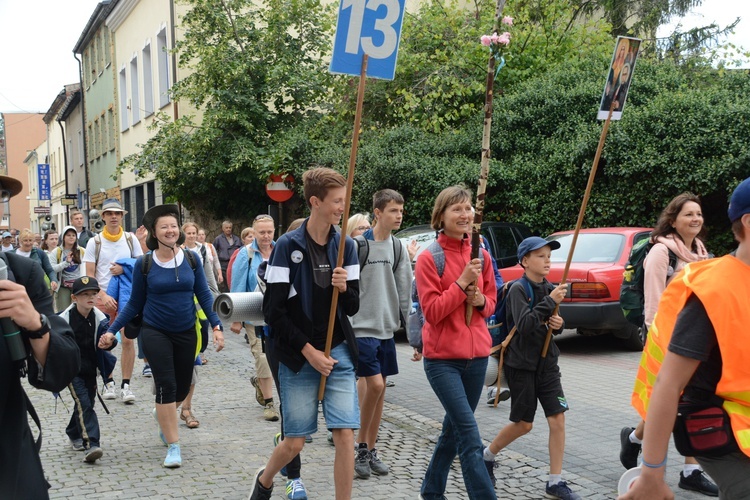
column 279, row 187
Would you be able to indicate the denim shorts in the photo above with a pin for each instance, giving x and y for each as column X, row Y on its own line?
column 376, row 357
column 299, row 396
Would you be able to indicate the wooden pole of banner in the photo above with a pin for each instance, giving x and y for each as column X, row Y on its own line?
column 484, row 170
column 581, row 213
column 347, row 206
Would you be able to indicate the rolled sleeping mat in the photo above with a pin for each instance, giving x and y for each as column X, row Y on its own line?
column 490, row 376
column 245, row 306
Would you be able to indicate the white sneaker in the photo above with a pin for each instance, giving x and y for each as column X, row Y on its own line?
column 109, row 391
column 127, row 395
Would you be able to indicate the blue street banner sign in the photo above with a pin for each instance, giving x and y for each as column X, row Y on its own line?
column 371, row 27
column 44, row 181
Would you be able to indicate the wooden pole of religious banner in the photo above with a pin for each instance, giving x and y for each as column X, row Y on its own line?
column 484, row 170
column 615, row 94
column 579, row 222
column 345, row 218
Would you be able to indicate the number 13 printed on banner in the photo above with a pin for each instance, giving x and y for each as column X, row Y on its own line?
column 371, row 27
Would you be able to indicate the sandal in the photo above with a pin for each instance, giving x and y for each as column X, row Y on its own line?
column 190, row 421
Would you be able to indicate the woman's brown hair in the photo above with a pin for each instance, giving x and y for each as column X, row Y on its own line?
column 664, row 226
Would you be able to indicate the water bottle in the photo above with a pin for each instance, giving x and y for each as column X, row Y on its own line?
column 491, row 321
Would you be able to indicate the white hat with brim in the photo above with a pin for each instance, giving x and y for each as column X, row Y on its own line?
column 112, row 205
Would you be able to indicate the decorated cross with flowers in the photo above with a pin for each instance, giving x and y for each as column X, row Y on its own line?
column 498, row 43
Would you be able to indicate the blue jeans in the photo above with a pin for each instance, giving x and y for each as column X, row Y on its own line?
column 458, row 385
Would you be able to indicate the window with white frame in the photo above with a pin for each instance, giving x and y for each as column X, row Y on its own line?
column 135, row 101
column 163, row 67
column 148, row 81
column 123, row 100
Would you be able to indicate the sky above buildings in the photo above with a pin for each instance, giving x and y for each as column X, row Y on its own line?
column 37, row 39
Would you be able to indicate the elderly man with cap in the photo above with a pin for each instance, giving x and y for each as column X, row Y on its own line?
column 37, row 341
column 698, row 352
column 7, row 242
column 102, row 253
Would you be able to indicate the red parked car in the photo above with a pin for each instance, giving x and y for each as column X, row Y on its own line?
column 592, row 306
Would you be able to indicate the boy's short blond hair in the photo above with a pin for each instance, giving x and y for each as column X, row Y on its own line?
column 318, row 181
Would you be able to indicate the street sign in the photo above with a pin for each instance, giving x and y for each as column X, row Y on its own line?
column 68, row 201
column 371, row 27
column 71, row 196
column 44, row 181
column 42, row 210
column 279, row 188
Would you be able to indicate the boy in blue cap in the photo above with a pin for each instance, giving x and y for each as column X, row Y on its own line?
column 530, row 377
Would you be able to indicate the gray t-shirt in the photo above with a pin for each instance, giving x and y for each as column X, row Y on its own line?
column 383, row 292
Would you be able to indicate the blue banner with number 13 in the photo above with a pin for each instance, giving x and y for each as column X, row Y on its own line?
column 371, row 27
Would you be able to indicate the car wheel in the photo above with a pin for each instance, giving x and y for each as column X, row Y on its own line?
column 630, row 336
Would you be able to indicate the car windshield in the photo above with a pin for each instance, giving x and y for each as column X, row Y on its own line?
column 590, row 247
column 423, row 236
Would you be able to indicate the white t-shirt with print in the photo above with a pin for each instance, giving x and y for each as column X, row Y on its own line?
column 110, row 252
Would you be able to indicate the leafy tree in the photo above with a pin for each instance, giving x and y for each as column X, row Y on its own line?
column 684, row 129
column 439, row 79
column 256, row 70
column 640, row 17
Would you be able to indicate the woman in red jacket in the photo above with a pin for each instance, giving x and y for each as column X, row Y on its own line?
column 455, row 355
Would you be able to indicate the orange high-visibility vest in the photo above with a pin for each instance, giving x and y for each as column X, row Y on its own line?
column 723, row 286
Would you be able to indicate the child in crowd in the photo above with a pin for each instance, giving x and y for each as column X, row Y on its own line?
column 530, row 377
column 89, row 326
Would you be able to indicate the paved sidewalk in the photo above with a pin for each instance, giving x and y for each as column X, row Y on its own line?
column 221, row 457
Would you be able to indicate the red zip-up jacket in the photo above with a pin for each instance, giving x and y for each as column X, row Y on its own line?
column 445, row 334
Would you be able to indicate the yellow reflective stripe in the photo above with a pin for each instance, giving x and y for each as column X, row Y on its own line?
column 740, row 397
column 733, row 407
column 743, row 438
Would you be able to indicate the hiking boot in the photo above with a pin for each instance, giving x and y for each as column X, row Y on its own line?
column 561, row 491
column 697, row 481
column 276, row 440
column 158, row 425
column 362, row 463
column 491, row 466
column 109, row 391
column 628, row 450
column 93, row 454
column 295, row 490
column 77, row 444
column 127, row 395
column 174, row 457
column 259, row 492
column 270, row 412
column 147, row 371
column 258, row 393
column 377, row 467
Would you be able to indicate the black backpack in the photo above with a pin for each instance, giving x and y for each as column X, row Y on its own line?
column 631, row 291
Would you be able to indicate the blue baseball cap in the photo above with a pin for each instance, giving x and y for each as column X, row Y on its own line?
column 535, row 243
column 739, row 204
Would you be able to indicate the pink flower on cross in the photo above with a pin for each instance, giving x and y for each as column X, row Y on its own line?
column 503, row 39
column 486, row 40
column 508, row 20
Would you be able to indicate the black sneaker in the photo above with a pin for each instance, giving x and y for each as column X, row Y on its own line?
column 697, row 481
column 491, row 466
column 259, row 491
column 628, row 451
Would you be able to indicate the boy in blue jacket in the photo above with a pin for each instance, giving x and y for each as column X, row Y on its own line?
column 90, row 330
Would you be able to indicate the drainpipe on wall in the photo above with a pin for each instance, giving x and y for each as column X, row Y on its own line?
column 85, row 152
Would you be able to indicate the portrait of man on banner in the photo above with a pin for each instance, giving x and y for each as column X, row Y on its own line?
column 619, row 78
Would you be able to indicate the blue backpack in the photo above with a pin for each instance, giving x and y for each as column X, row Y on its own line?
column 501, row 330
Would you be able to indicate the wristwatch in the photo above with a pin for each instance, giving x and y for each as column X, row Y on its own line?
column 37, row 334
